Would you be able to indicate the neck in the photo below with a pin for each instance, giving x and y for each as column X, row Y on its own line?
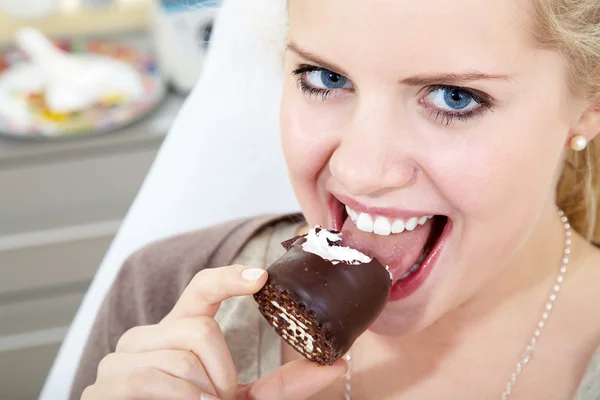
column 533, row 269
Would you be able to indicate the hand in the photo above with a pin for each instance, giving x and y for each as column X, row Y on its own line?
column 185, row 355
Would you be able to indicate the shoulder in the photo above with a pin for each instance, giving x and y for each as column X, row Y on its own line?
column 582, row 295
column 153, row 278
column 589, row 387
column 582, row 321
column 583, row 276
column 586, row 276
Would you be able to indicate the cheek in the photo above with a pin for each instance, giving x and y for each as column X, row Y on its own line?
column 502, row 174
column 511, row 162
column 307, row 145
column 499, row 178
column 504, row 168
column 304, row 145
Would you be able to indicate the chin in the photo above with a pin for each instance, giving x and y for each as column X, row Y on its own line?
column 410, row 315
column 398, row 325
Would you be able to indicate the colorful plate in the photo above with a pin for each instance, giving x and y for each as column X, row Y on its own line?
column 22, row 111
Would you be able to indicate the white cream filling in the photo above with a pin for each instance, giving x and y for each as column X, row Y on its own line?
column 303, row 341
column 318, row 243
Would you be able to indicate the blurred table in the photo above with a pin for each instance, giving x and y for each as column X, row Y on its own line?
column 61, row 203
column 71, row 17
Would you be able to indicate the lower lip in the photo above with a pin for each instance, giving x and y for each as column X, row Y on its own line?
column 404, row 288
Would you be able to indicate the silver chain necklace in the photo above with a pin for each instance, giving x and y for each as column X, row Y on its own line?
column 531, row 345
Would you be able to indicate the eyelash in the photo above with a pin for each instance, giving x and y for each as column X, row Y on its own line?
column 439, row 116
column 447, row 117
column 304, row 87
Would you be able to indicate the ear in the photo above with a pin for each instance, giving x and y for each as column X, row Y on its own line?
column 588, row 124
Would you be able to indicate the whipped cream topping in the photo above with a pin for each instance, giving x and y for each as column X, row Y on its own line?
column 327, row 245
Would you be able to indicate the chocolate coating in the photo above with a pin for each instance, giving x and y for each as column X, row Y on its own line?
column 336, row 303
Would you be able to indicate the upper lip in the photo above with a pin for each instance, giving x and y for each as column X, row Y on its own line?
column 381, row 211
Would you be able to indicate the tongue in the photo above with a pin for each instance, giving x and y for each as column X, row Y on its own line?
column 399, row 251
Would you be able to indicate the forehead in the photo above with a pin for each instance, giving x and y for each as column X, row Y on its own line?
column 413, row 33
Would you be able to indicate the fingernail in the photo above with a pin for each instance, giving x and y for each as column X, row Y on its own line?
column 252, row 274
column 206, row 396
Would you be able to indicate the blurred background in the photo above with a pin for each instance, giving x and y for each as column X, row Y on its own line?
column 72, row 162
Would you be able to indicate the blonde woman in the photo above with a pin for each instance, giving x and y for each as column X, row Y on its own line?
column 454, row 141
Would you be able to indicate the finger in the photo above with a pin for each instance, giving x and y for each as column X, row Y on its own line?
column 178, row 363
column 146, row 383
column 201, row 335
column 296, row 380
column 210, row 287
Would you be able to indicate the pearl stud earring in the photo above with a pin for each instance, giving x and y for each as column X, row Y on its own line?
column 578, row 143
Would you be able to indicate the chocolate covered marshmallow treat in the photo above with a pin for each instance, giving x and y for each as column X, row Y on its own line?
column 321, row 296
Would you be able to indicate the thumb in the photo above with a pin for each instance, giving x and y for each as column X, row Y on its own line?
column 296, row 380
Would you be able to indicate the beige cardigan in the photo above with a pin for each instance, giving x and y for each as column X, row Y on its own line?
column 152, row 280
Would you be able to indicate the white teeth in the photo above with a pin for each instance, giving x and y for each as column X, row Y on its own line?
column 406, row 275
column 411, row 224
column 398, row 226
column 382, row 226
column 353, row 214
column 415, row 267
column 364, row 223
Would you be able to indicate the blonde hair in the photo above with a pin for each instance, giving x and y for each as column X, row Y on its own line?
column 573, row 27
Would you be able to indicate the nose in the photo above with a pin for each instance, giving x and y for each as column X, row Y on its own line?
column 373, row 156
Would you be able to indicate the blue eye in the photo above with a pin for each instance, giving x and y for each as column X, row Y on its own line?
column 325, row 79
column 453, row 99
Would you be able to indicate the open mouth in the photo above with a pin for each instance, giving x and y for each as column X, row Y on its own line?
column 408, row 244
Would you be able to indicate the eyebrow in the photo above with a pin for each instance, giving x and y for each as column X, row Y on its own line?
column 417, row 80
column 450, row 79
column 307, row 55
